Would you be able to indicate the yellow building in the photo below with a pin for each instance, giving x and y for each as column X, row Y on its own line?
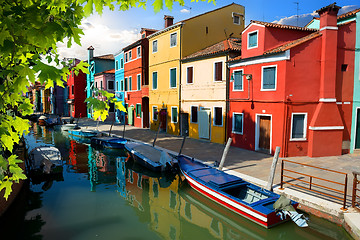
column 203, row 89
column 176, row 41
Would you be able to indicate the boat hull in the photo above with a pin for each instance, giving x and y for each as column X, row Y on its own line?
column 108, row 142
column 84, row 134
column 259, row 213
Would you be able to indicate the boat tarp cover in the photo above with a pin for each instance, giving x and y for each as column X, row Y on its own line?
column 283, row 203
column 216, row 177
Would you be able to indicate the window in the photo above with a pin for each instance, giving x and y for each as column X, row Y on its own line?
column 218, row 119
column 122, row 63
column 110, row 85
column 96, row 85
column 130, row 55
column 173, row 78
column 130, row 83
column 218, row 71
column 194, row 114
column 138, row 110
column 116, row 65
column 126, row 84
column 126, row 57
column 174, row 114
column 189, row 74
column 253, row 39
column 101, row 84
column 237, row 126
column 121, row 85
column 154, row 46
column 155, row 113
column 236, row 18
column 173, row 40
column 238, row 80
column 154, row 80
column 138, row 52
column 112, row 107
column 143, row 35
column 117, row 86
column 298, row 128
column 268, row 81
column 138, row 81
column 72, row 89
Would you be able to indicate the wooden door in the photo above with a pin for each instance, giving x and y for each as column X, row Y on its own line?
column 145, row 112
column 184, row 124
column 130, row 115
column 204, row 124
column 163, row 118
column 264, row 133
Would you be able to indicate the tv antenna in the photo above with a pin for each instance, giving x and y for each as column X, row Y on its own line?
column 297, row 13
column 189, row 8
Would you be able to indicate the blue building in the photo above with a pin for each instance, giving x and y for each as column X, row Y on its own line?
column 119, row 84
column 97, row 65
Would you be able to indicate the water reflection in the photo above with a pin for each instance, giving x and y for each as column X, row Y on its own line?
column 104, row 194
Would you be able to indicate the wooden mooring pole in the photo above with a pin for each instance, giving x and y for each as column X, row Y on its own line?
column 226, row 150
column 272, row 170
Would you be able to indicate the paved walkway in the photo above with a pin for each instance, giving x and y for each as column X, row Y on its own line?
column 255, row 167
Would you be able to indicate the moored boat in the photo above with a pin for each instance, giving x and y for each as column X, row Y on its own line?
column 232, row 192
column 42, row 120
column 83, row 133
column 109, row 142
column 151, row 157
column 69, row 126
column 45, row 160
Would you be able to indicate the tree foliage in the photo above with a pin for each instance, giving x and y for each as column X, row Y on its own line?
column 29, row 33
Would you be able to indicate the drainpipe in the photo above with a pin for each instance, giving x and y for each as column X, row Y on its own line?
column 180, row 118
column 227, row 103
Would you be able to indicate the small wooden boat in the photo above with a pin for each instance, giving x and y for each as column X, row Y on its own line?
column 109, row 142
column 244, row 198
column 83, row 133
column 42, row 120
column 69, row 126
column 45, row 160
column 151, row 157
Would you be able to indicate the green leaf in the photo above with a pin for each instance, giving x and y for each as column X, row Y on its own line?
column 7, row 142
column 7, row 185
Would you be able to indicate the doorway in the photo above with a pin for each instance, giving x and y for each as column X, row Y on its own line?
column 263, row 133
column 145, row 113
column 357, row 130
column 204, row 123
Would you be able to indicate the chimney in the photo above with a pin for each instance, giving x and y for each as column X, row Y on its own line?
column 329, row 42
column 168, row 20
column 90, row 53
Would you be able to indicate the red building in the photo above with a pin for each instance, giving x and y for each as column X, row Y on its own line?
column 293, row 88
column 76, row 92
column 136, row 80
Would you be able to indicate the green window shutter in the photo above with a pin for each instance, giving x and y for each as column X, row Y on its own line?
column 173, row 78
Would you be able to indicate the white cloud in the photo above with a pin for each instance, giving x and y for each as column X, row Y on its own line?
column 104, row 39
column 306, row 18
column 184, row 10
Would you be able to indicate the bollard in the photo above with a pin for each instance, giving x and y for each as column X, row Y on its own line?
column 225, row 153
column 272, row 169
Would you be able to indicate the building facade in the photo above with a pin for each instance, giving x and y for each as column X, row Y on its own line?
column 96, row 65
column 119, row 85
column 297, row 88
column 136, row 80
column 204, row 90
column 176, row 41
column 76, row 86
column 105, row 81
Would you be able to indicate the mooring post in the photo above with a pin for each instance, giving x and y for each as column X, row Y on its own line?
column 156, row 135
column 124, row 129
column 225, row 153
column 272, row 170
column 182, row 144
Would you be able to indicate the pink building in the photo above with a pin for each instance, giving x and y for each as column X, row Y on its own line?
column 106, row 81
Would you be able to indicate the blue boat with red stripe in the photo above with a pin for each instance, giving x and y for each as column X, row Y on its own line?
column 232, row 192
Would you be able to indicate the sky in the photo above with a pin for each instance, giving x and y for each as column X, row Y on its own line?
column 114, row 30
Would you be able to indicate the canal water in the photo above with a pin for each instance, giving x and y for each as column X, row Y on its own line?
column 103, row 194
